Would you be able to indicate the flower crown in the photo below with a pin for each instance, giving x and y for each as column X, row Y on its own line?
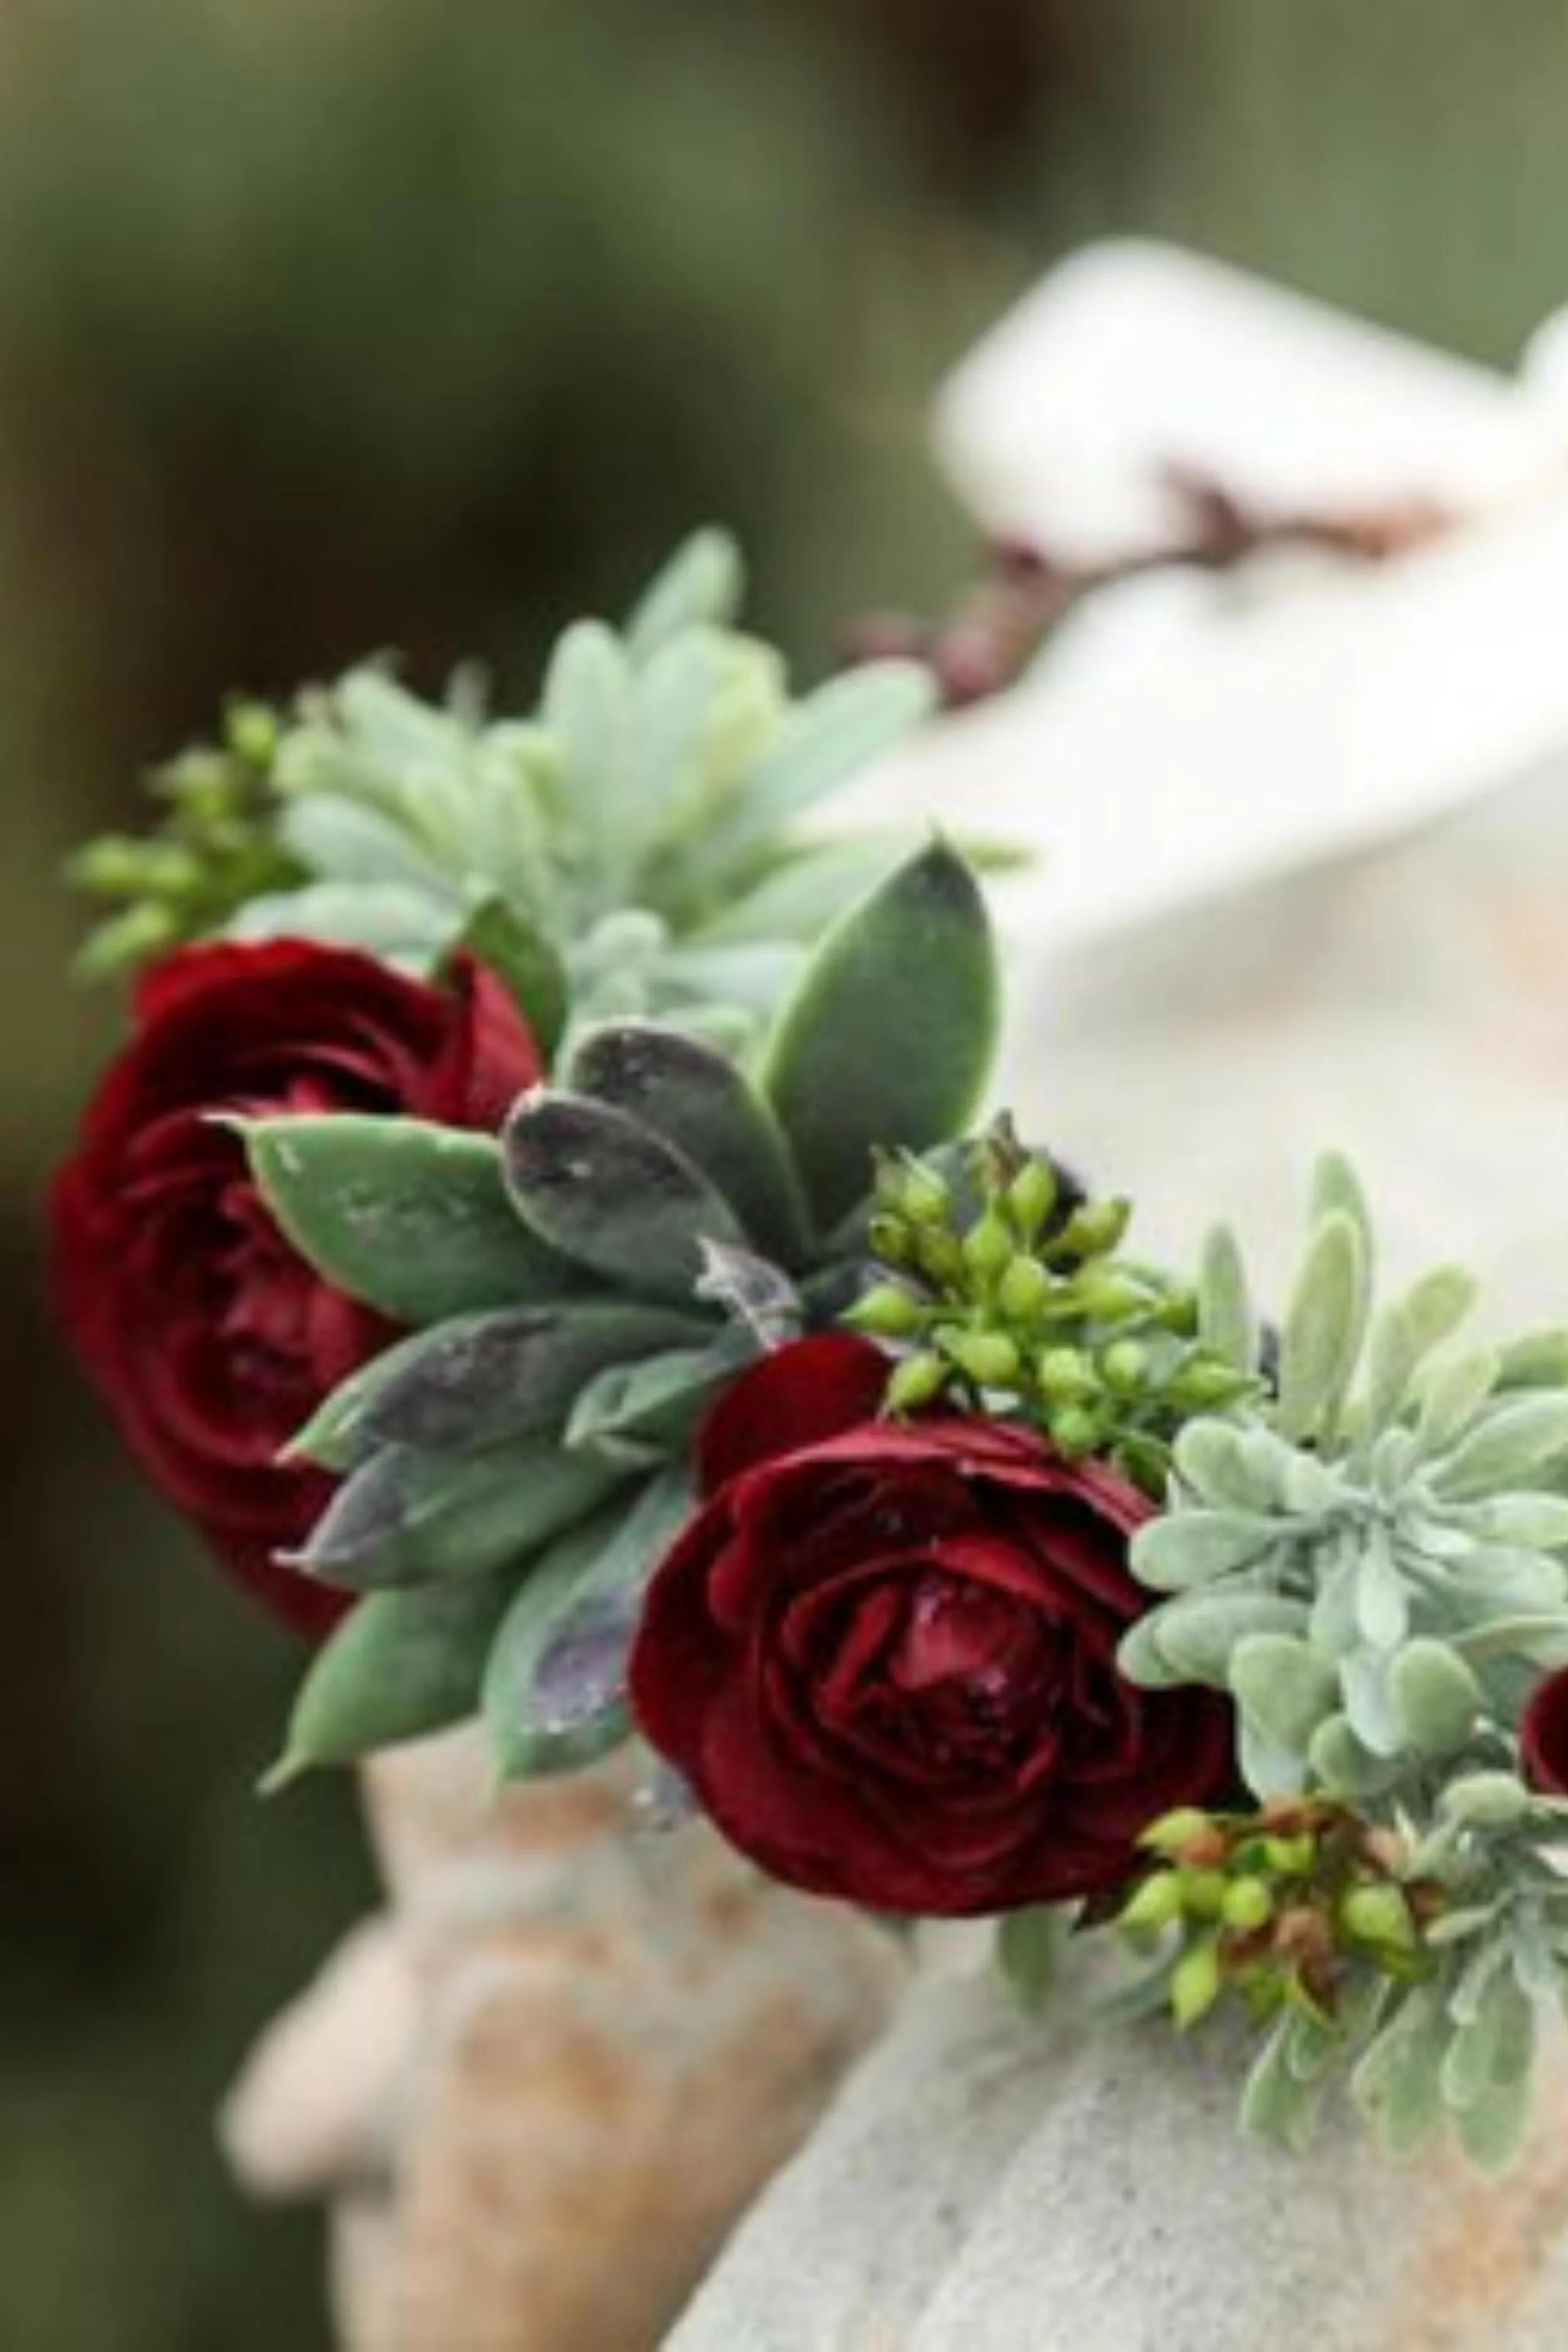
column 538, row 1232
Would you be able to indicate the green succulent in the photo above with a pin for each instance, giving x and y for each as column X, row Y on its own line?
column 1370, row 1561
column 630, row 848
column 580, row 1290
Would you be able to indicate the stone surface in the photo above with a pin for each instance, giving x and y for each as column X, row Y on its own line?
column 605, row 2039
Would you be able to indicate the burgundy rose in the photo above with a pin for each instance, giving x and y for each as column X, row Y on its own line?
column 1543, row 1736
column 884, row 1654
column 210, row 1339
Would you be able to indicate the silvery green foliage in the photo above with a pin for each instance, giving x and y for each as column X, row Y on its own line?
column 1370, row 1561
column 1371, row 1564
column 637, row 825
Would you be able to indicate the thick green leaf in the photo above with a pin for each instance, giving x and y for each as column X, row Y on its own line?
column 526, row 964
column 1283, row 1688
column 514, row 1371
column 410, row 1218
column 1437, row 1696
column 888, row 1039
column 410, row 1518
column 831, row 735
column 610, row 1195
column 1405, row 1334
column 700, row 1103
column 798, row 900
column 402, row 925
column 399, row 1666
column 554, row 1687
column 642, row 1413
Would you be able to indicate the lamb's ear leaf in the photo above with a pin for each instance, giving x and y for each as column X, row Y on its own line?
column 888, row 1039
column 400, row 1664
column 610, row 1195
column 409, row 1218
column 1324, row 1326
column 698, row 1100
column 555, row 1686
column 527, row 964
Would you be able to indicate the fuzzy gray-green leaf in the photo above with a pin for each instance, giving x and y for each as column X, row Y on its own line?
column 699, row 585
column 1435, row 1695
column 411, row 1218
column 1405, row 1334
column 1226, row 1324
column 1193, row 1547
column 888, row 1039
column 1283, row 1688
column 1508, row 1446
column 612, row 1196
column 1323, row 1327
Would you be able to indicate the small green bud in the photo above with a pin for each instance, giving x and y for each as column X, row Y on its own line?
column 1074, row 1431
column 989, row 1358
column 1195, row 1982
column 1248, row 1904
column 1204, row 1380
column 888, row 1313
column 1095, row 1229
column 988, row 1246
column 1173, row 1833
column 916, row 1381
column 1290, row 1857
column 1031, row 1196
column 1378, row 1915
column 1064, row 1375
column 1202, row 1892
column 923, row 1195
column 890, row 1239
column 1023, row 1290
column 1157, row 1903
column 252, row 730
column 1178, row 1312
column 1107, row 1298
column 938, row 1253
column 1123, row 1365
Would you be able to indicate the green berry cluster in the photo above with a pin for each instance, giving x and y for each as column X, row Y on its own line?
column 1285, row 1908
column 1003, row 1293
column 214, row 848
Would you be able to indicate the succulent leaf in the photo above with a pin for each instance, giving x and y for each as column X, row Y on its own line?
column 407, row 1517
column 612, row 1196
column 411, row 1218
column 887, row 1039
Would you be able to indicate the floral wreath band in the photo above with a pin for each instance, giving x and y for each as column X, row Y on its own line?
column 536, row 1231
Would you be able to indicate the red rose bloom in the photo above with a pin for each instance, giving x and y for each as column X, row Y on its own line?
column 211, row 1339
column 884, row 1654
column 1543, row 1736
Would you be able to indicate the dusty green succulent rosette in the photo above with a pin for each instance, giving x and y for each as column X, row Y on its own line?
column 580, row 1290
column 629, row 847
column 1369, row 1559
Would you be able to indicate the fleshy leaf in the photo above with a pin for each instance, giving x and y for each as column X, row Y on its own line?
column 1283, row 1688
column 410, row 1218
column 1405, row 1334
column 527, row 964
column 700, row 1103
column 399, row 1666
column 513, row 1371
column 644, row 1411
column 1506, row 1447
column 409, row 1519
column 887, row 1039
column 1323, row 1327
column 1193, row 1547
column 1226, row 1324
column 612, row 1196
column 1435, row 1695
column 555, row 1686
column 700, row 585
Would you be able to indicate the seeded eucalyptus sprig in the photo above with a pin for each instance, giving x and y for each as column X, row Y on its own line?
column 1008, row 1290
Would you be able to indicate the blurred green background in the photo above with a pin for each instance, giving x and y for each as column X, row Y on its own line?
column 423, row 324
